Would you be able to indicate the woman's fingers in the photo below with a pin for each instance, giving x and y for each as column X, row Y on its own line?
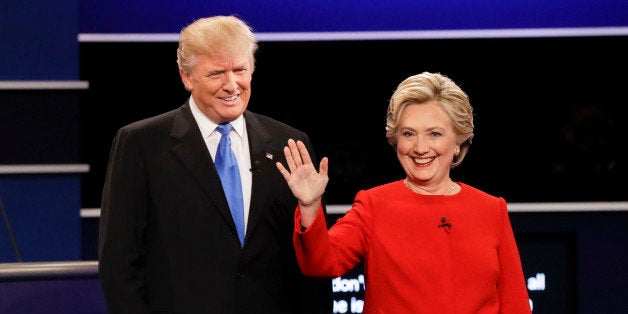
column 324, row 167
column 293, row 160
column 288, row 153
column 296, row 156
column 303, row 153
column 284, row 172
column 306, row 183
column 294, row 152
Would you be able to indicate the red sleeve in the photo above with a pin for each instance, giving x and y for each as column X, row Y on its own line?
column 332, row 253
column 512, row 291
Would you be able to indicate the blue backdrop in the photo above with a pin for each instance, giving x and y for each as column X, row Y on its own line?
column 39, row 39
column 162, row 16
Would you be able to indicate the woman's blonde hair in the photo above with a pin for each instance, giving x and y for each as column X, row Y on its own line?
column 425, row 87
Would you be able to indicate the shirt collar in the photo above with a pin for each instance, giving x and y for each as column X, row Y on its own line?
column 207, row 126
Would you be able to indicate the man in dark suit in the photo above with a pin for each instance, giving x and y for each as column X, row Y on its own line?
column 168, row 242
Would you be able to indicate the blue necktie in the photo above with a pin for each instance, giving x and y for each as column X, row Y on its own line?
column 227, row 167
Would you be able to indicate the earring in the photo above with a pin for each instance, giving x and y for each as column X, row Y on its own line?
column 457, row 152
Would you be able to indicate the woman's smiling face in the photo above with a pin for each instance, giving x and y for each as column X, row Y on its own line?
column 426, row 144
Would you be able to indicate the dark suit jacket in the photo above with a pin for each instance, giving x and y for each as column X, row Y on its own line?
column 167, row 241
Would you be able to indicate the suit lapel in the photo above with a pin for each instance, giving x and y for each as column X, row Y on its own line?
column 262, row 163
column 191, row 150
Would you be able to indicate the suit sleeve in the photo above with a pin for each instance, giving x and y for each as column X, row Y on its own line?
column 122, row 244
column 513, row 295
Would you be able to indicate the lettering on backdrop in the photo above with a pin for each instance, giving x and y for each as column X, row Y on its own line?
column 348, row 294
column 536, row 283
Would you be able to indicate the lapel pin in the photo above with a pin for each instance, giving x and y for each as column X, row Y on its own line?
column 269, row 156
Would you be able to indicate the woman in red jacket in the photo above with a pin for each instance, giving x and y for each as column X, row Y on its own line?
column 429, row 244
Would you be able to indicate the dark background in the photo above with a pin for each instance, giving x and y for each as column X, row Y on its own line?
column 549, row 128
column 548, row 111
column 549, row 114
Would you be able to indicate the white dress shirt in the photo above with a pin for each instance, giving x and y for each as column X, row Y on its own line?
column 239, row 145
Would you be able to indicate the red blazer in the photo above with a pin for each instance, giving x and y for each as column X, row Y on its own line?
column 414, row 266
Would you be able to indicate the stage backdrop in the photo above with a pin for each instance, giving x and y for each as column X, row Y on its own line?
column 143, row 16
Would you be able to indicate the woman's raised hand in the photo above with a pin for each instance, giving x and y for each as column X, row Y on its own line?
column 307, row 184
